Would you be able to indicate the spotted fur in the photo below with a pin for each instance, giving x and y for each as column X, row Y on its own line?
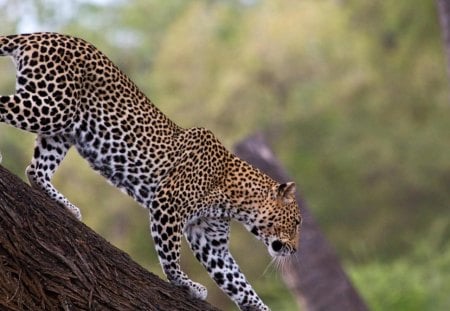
column 70, row 94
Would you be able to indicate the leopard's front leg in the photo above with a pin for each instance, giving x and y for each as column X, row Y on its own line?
column 208, row 239
column 167, row 237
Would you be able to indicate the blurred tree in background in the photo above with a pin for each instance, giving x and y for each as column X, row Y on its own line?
column 353, row 95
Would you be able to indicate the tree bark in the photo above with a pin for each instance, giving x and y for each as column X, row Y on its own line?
column 444, row 18
column 314, row 275
column 51, row 261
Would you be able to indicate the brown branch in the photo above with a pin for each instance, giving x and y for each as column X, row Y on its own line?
column 315, row 275
column 51, row 261
column 443, row 7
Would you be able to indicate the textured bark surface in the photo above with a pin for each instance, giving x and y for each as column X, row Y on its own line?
column 314, row 275
column 51, row 261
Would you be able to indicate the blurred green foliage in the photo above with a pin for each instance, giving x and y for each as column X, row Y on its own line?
column 353, row 96
column 417, row 280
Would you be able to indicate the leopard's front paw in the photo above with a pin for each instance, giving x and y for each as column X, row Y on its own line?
column 258, row 307
column 255, row 308
column 197, row 290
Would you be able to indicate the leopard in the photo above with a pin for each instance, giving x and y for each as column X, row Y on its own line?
column 69, row 93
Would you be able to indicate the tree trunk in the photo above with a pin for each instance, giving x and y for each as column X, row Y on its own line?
column 51, row 261
column 314, row 275
column 444, row 18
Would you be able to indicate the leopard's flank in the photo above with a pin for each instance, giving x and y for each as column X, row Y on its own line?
column 70, row 94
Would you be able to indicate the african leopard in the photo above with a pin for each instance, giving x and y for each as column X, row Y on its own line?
column 70, row 94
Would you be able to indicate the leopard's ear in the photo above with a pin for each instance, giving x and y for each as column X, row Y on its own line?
column 286, row 192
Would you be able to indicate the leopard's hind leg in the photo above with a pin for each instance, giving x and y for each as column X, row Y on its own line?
column 48, row 154
column 39, row 111
column 48, row 88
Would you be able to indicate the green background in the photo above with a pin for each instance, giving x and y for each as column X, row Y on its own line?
column 352, row 95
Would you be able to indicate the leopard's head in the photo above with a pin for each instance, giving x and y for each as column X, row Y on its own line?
column 278, row 220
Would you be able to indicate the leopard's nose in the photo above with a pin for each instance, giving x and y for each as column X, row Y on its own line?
column 277, row 245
